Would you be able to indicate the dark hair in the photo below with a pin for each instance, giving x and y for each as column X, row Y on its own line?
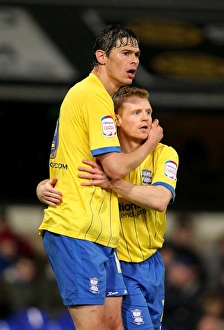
column 108, row 38
column 125, row 92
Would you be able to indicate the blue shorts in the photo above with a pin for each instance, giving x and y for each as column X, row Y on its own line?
column 85, row 272
column 143, row 307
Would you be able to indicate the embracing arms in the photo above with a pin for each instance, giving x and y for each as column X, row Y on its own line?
column 154, row 197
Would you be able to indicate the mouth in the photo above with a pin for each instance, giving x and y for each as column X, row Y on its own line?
column 131, row 73
column 145, row 127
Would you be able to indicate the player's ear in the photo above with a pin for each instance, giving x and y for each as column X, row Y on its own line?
column 118, row 118
column 100, row 56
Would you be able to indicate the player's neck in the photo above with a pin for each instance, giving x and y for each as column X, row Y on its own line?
column 105, row 80
column 129, row 146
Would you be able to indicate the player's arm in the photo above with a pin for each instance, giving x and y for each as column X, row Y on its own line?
column 153, row 197
column 117, row 165
column 47, row 194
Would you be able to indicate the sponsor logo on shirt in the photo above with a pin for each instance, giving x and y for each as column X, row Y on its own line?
column 130, row 210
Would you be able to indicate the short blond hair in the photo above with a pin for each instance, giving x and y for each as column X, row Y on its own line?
column 125, row 92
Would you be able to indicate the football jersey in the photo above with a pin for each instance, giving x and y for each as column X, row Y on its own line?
column 142, row 230
column 84, row 130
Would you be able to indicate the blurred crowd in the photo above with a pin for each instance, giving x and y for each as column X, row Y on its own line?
column 29, row 297
column 194, row 282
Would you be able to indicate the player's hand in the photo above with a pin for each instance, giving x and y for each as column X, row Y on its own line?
column 94, row 174
column 155, row 133
column 47, row 194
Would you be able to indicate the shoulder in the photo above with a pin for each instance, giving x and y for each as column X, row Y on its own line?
column 165, row 153
column 90, row 89
column 164, row 148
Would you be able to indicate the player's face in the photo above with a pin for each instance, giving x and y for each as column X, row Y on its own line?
column 134, row 119
column 121, row 64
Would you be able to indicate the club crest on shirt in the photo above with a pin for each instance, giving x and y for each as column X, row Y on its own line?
column 170, row 169
column 108, row 126
column 146, row 176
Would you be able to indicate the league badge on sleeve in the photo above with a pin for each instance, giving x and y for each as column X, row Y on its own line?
column 108, row 126
column 171, row 170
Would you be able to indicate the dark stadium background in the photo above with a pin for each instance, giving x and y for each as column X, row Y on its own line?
column 182, row 66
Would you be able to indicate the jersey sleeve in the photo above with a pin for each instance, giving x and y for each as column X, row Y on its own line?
column 166, row 162
column 100, row 121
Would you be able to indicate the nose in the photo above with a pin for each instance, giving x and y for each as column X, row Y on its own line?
column 135, row 59
column 145, row 116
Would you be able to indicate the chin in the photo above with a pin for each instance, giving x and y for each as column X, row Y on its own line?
column 128, row 82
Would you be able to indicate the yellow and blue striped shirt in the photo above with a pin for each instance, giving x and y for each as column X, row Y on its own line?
column 142, row 230
column 85, row 129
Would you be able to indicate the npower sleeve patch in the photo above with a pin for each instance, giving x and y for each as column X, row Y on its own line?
column 108, row 126
column 171, row 170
